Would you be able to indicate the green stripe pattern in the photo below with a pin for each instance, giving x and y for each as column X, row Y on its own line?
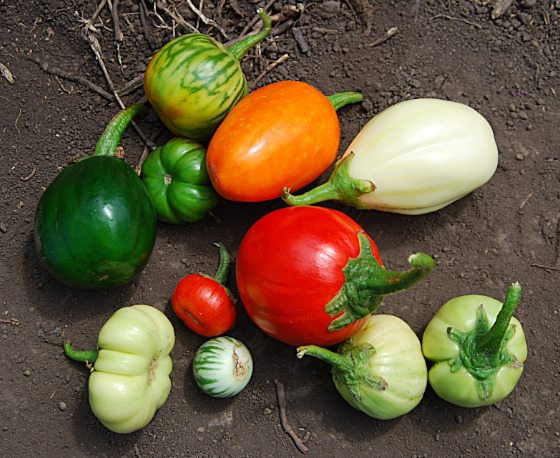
column 222, row 367
column 193, row 82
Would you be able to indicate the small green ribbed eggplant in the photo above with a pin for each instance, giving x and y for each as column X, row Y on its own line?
column 177, row 180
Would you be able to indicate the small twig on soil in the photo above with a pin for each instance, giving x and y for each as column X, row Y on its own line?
column 17, row 119
column 525, row 200
column 273, row 65
column 145, row 152
column 451, row 18
column 392, row 31
column 152, row 42
column 6, row 73
column 206, row 20
column 98, row 10
column 46, row 67
column 89, row 32
column 282, row 27
column 363, row 8
column 256, row 19
column 283, row 20
column 28, row 177
column 283, row 419
column 132, row 85
column 179, row 19
column 544, row 267
column 138, row 168
column 300, row 39
column 116, row 22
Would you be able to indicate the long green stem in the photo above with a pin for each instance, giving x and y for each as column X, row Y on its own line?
column 366, row 282
column 351, row 365
column 111, row 136
column 343, row 363
column 238, row 50
column 344, row 98
column 82, row 356
column 483, row 350
column 340, row 187
column 223, row 268
column 492, row 340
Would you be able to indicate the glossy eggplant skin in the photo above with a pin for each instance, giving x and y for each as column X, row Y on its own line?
column 95, row 224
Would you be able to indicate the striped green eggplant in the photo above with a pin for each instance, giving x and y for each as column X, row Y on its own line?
column 194, row 81
column 222, row 367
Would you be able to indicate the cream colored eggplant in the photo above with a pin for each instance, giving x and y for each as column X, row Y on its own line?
column 380, row 370
column 413, row 158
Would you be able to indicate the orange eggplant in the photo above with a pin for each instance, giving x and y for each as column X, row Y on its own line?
column 285, row 134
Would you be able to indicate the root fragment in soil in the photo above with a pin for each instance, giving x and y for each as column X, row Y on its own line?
column 284, row 420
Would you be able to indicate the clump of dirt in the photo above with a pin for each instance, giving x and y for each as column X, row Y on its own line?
column 499, row 57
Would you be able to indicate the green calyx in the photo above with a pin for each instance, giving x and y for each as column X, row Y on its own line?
column 340, row 187
column 239, row 49
column 111, row 136
column 483, row 350
column 88, row 357
column 350, row 366
column 366, row 282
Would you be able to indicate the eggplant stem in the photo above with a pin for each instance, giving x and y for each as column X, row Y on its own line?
column 238, row 50
column 344, row 98
column 82, row 356
column 223, row 269
column 366, row 282
column 491, row 342
column 334, row 359
column 111, row 136
column 340, row 187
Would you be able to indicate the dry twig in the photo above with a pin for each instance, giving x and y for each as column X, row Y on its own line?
column 206, row 20
column 116, row 23
column 28, row 177
column 46, row 67
column 273, row 65
column 392, row 31
column 451, row 18
column 283, row 419
column 152, row 42
column 6, row 73
column 363, row 8
column 89, row 33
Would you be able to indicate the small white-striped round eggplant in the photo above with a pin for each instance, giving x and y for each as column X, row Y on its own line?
column 222, row 367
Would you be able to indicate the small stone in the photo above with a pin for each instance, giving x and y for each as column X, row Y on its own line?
column 27, row 373
column 62, row 405
column 459, row 419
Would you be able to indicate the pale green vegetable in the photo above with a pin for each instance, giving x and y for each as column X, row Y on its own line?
column 415, row 157
column 380, row 370
column 130, row 375
column 477, row 348
column 222, row 367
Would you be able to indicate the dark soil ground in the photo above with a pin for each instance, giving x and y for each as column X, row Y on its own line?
column 504, row 64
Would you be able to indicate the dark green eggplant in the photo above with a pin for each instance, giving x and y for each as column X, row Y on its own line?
column 95, row 224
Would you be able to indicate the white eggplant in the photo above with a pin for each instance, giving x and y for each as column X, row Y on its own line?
column 413, row 158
